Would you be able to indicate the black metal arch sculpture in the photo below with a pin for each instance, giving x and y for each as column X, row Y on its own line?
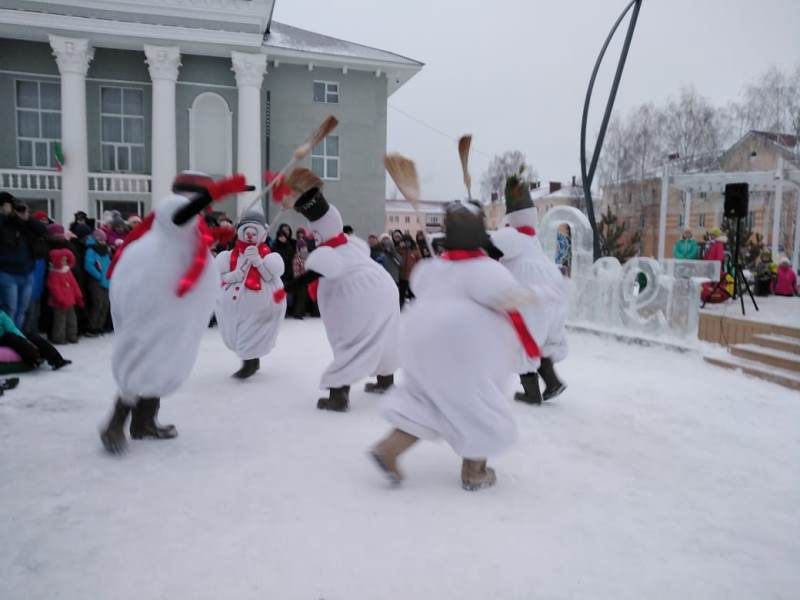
column 588, row 177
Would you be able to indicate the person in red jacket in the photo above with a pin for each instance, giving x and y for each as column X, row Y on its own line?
column 716, row 246
column 785, row 282
column 64, row 295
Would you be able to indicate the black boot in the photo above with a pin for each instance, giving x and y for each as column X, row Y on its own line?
column 144, row 423
column 113, row 436
column 553, row 386
column 249, row 367
column 339, row 400
column 9, row 383
column 384, row 383
column 530, row 383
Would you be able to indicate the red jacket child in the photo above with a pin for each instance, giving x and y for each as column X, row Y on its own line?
column 64, row 290
column 785, row 282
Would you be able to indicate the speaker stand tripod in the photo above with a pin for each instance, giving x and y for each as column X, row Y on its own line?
column 739, row 280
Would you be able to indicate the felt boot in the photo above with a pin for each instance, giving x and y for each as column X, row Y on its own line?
column 387, row 451
column 531, row 395
column 553, row 386
column 144, row 423
column 475, row 475
column 113, row 436
column 338, row 401
column 249, row 367
column 383, row 383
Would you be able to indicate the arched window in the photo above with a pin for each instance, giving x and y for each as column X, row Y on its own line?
column 210, row 135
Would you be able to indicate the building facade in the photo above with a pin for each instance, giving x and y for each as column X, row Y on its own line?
column 637, row 203
column 401, row 215
column 128, row 93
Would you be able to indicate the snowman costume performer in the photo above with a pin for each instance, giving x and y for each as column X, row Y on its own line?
column 248, row 318
column 357, row 302
column 459, row 344
column 162, row 294
column 522, row 254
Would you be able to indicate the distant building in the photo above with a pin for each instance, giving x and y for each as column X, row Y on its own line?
column 637, row 202
column 401, row 215
column 544, row 198
column 135, row 91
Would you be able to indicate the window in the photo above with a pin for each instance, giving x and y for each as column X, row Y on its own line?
column 210, row 135
column 680, row 220
column 701, row 220
column 642, row 221
column 122, row 129
column 751, row 220
column 408, row 219
column 47, row 205
column 125, row 207
column 326, row 92
column 325, row 158
column 630, row 197
column 38, row 123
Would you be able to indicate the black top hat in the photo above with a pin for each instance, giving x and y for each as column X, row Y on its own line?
column 312, row 204
column 464, row 228
column 518, row 196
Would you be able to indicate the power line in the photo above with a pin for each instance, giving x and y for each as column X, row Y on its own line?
column 435, row 129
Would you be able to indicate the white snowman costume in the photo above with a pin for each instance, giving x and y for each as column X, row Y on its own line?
column 162, row 293
column 248, row 317
column 157, row 333
column 357, row 301
column 459, row 344
column 524, row 257
column 457, row 350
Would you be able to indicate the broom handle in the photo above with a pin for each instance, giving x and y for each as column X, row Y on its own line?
column 271, row 184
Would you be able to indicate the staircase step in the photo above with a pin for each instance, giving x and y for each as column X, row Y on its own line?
column 778, row 342
column 768, row 356
column 788, row 379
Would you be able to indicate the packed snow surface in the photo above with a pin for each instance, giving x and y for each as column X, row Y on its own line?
column 654, row 476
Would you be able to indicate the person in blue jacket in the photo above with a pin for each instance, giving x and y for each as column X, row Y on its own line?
column 96, row 263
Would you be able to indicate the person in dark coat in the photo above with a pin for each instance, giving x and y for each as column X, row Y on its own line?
column 21, row 243
column 285, row 246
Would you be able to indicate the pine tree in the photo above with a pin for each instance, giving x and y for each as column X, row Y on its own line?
column 616, row 242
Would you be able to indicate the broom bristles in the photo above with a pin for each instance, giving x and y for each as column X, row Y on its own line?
column 319, row 134
column 464, row 143
column 403, row 172
column 300, row 180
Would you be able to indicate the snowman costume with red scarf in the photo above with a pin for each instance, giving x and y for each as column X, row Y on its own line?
column 357, row 302
column 524, row 257
column 162, row 294
column 459, row 344
column 248, row 318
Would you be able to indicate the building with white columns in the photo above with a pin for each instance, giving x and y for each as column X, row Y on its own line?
column 133, row 92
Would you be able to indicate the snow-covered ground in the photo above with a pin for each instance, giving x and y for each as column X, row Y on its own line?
column 654, row 476
column 771, row 309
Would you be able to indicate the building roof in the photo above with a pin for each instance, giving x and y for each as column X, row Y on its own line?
column 425, row 206
column 287, row 37
column 206, row 27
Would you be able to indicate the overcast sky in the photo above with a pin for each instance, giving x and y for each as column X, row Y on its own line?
column 514, row 72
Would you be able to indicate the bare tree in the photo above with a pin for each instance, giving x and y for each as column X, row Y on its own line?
column 617, row 160
column 501, row 166
column 692, row 127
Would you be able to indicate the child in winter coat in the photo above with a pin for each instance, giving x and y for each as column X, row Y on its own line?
column 64, row 296
column 96, row 263
column 32, row 349
column 765, row 274
column 785, row 283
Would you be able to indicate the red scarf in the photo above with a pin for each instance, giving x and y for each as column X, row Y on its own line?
column 253, row 279
column 517, row 322
column 527, row 230
column 463, row 254
column 334, row 242
column 195, row 270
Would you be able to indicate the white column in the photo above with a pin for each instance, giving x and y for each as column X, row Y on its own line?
column 776, row 209
column 662, row 213
column 163, row 63
column 73, row 56
column 687, row 209
column 249, row 70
